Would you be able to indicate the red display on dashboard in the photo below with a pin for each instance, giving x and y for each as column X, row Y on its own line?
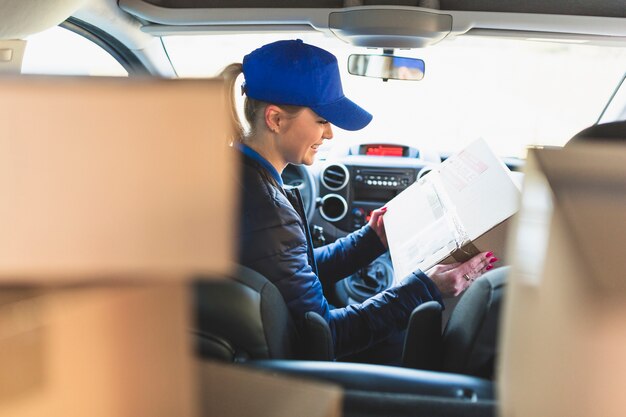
column 384, row 150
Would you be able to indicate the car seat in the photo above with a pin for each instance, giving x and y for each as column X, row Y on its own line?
column 605, row 132
column 468, row 343
column 245, row 317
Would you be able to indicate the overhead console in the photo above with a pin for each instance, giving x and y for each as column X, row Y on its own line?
column 392, row 28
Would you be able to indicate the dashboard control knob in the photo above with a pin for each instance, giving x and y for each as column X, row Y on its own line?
column 358, row 213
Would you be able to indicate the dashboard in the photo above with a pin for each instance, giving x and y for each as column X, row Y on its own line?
column 339, row 194
column 350, row 186
column 351, row 189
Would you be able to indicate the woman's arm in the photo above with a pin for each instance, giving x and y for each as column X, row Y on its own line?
column 347, row 255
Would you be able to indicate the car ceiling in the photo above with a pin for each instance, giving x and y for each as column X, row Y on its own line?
column 406, row 23
column 467, row 14
column 384, row 23
column 610, row 8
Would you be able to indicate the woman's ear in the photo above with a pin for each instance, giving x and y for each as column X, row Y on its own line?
column 273, row 118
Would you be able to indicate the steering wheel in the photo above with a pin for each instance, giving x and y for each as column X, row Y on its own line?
column 298, row 176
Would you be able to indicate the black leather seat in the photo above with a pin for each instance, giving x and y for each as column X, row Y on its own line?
column 468, row 343
column 245, row 317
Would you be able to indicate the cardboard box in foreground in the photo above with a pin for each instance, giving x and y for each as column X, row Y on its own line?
column 563, row 332
column 233, row 391
column 111, row 179
column 121, row 351
column 448, row 210
column 112, row 200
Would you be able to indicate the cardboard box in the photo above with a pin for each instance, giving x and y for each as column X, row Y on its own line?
column 113, row 197
column 119, row 351
column 109, row 179
column 452, row 211
column 232, row 391
column 563, row 333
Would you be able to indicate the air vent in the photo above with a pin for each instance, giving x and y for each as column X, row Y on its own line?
column 334, row 207
column 335, row 177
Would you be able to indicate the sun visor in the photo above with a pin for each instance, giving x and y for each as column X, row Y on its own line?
column 19, row 18
column 392, row 28
column 589, row 186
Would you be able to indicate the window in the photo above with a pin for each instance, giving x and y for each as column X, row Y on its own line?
column 59, row 51
column 511, row 92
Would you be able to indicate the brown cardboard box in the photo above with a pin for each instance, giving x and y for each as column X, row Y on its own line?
column 460, row 208
column 104, row 179
column 231, row 391
column 564, row 337
column 113, row 195
column 85, row 351
column 494, row 240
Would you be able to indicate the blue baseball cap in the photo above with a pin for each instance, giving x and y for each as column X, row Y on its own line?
column 295, row 73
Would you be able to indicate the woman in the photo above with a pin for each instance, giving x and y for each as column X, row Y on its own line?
column 293, row 95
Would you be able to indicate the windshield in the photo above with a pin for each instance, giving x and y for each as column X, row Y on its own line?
column 512, row 93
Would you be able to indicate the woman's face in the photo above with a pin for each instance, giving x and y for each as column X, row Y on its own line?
column 301, row 135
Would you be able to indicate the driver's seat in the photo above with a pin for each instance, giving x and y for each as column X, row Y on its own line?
column 245, row 317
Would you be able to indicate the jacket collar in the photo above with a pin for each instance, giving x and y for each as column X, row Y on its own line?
column 254, row 155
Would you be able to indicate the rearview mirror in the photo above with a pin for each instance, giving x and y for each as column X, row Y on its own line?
column 386, row 67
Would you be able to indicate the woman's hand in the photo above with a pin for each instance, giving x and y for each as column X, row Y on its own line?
column 453, row 279
column 376, row 222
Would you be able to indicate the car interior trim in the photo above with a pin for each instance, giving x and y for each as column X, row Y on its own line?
column 115, row 48
column 389, row 379
column 168, row 30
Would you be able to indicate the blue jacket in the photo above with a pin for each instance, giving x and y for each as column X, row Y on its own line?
column 275, row 241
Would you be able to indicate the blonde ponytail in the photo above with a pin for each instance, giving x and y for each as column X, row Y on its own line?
column 253, row 109
column 229, row 75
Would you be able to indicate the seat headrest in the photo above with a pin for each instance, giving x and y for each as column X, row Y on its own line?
column 607, row 132
column 471, row 333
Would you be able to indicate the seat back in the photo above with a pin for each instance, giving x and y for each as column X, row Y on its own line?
column 605, row 132
column 468, row 343
column 242, row 317
column 245, row 317
column 470, row 337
